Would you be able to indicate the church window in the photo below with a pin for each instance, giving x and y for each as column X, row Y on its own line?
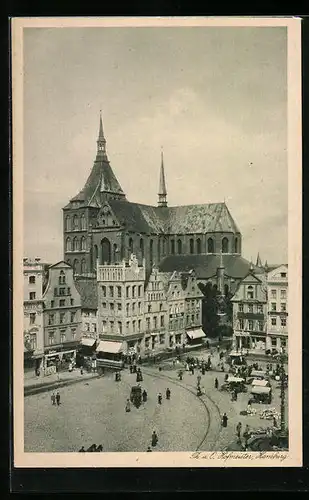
column 210, row 245
column 151, row 251
column 225, row 245
column 198, row 246
column 75, row 222
column 68, row 223
column 163, row 246
column 75, row 244
column 172, row 247
column 131, row 248
column 179, row 246
column 141, row 247
column 75, row 264
column 68, row 246
column 236, row 245
column 83, row 222
column 191, row 243
column 83, row 243
column 115, row 252
column 83, row 266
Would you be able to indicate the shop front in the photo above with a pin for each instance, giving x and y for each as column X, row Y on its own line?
column 195, row 337
column 86, row 351
column 59, row 358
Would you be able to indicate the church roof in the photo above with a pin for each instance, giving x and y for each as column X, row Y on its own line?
column 87, row 288
column 205, row 265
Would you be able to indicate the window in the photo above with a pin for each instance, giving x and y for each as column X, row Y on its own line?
column 283, row 321
column 283, row 342
column 51, row 319
column 83, row 222
column 119, row 292
column 32, row 295
column 133, row 308
column 172, row 247
column 51, row 338
column 83, row 266
column 104, row 291
column 273, row 294
column 139, row 324
column 133, row 326
column 61, row 317
column 140, row 290
column 75, row 245
column 104, row 305
column 103, row 326
column 261, row 326
column 61, row 302
column 119, row 327
column 198, row 246
column 147, row 323
column 68, row 223
column 240, row 307
column 149, row 308
column 283, row 306
column 283, row 293
column 87, row 325
column 94, row 327
column 68, row 245
column 32, row 318
column 32, row 341
column 273, row 321
column 75, row 222
column 61, row 291
column 225, row 245
column 119, row 306
column 162, row 321
column 273, row 306
column 32, row 280
column 62, row 336
column 111, row 291
column 191, row 245
column 241, row 324
column 127, row 292
column 72, row 302
column 236, row 245
column 133, row 291
column 179, row 246
column 161, row 307
column 210, row 245
column 192, row 318
column 250, row 324
column 139, row 308
column 162, row 338
column 283, row 275
column 52, row 303
column 250, row 292
column 155, row 322
column 274, row 342
column 112, row 306
column 127, row 326
column 260, row 308
column 72, row 317
column 141, row 247
column 250, row 308
column 127, row 309
column 111, row 323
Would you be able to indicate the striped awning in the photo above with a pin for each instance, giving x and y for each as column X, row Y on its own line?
column 195, row 334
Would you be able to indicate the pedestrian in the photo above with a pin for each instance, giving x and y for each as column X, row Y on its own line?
column 174, row 362
column 131, row 369
column 274, row 422
column 154, row 439
column 58, row 398
column 238, row 429
column 159, row 398
column 144, row 396
column 168, row 393
column 199, row 379
column 180, row 374
column 224, row 420
column 82, row 449
column 216, row 383
column 149, row 449
column 128, row 406
column 81, row 370
column 53, row 398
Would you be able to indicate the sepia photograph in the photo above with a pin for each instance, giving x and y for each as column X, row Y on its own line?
column 157, row 244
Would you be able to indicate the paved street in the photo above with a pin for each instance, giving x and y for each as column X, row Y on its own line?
column 93, row 411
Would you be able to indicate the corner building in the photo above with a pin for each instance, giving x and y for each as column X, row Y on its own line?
column 101, row 224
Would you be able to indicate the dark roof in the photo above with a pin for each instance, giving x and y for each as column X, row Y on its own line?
column 87, row 288
column 138, row 218
column 205, row 266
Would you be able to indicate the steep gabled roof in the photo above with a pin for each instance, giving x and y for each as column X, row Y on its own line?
column 88, row 290
column 137, row 217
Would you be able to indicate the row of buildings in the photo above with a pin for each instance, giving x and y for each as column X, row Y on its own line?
column 131, row 276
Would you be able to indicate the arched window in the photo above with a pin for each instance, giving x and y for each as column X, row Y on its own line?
column 163, row 246
column 75, row 266
column 250, row 292
column 83, row 244
column 75, row 244
column 151, row 252
column 172, row 247
column 83, row 222
column 105, row 251
column 191, row 243
column 115, row 252
column 95, row 254
column 225, row 245
column 68, row 223
column 159, row 249
column 141, row 247
column 68, row 246
column 131, row 246
column 236, row 245
column 61, row 279
column 210, row 245
column 75, row 222
column 83, row 266
column 198, row 246
column 179, row 246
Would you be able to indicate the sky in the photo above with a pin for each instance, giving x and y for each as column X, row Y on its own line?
column 215, row 99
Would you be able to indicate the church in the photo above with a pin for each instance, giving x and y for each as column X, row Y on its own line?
column 101, row 225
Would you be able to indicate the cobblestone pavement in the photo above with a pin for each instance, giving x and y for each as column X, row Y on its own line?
column 94, row 412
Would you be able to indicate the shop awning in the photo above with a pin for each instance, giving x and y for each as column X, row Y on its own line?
column 236, row 380
column 87, row 342
column 110, row 347
column 260, row 390
column 195, row 334
column 260, row 383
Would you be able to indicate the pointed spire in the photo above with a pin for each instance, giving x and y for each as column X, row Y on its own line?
column 101, row 142
column 251, row 265
column 259, row 261
column 266, row 265
column 162, row 202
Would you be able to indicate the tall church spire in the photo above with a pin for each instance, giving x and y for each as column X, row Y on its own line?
column 259, row 261
column 162, row 201
column 101, row 142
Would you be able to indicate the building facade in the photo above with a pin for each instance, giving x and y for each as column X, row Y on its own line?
column 101, row 224
column 121, row 304
column 156, row 312
column 62, row 316
column 88, row 290
column 34, row 275
column 250, row 314
column 277, row 317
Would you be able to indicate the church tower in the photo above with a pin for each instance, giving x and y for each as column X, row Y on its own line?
column 162, row 201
